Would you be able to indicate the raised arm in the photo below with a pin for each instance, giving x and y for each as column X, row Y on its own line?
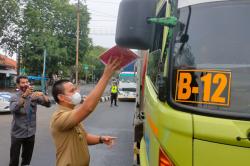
column 93, row 98
column 41, row 99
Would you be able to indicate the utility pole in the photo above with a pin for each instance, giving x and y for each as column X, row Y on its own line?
column 77, row 40
column 18, row 61
column 44, row 72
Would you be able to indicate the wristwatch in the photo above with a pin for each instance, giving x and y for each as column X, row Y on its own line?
column 100, row 140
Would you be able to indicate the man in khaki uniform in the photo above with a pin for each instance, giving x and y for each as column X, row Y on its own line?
column 70, row 138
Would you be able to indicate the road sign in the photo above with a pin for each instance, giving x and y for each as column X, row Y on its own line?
column 85, row 67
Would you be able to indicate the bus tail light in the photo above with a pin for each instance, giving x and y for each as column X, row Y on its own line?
column 164, row 159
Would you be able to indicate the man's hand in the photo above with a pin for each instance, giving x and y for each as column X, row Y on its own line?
column 28, row 91
column 112, row 66
column 109, row 140
column 36, row 94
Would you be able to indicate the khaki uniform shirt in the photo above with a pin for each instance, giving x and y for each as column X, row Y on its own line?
column 69, row 138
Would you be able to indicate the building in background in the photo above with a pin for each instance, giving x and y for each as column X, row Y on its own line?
column 8, row 72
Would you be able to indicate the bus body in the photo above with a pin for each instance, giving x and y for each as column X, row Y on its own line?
column 127, row 86
column 194, row 84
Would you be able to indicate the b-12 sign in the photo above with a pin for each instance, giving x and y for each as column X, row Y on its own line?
column 203, row 87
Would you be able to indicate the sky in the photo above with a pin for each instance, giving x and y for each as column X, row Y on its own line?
column 102, row 25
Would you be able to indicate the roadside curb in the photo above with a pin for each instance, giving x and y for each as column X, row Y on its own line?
column 103, row 99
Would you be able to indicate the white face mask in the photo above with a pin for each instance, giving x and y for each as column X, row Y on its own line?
column 76, row 98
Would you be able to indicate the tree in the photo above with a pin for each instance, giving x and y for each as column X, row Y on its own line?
column 51, row 25
column 92, row 59
column 9, row 19
column 66, row 28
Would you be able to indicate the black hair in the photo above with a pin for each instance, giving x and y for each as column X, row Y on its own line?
column 21, row 77
column 58, row 89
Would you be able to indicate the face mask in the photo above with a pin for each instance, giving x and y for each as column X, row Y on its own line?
column 76, row 98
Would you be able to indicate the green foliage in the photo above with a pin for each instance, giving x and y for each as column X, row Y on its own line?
column 51, row 25
column 92, row 60
column 9, row 19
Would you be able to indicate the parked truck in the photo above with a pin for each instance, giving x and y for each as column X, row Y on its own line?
column 127, row 86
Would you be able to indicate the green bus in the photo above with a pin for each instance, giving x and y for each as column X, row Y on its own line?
column 194, row 79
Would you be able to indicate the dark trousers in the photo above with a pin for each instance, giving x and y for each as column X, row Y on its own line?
column 27, row 145
column 113, row 98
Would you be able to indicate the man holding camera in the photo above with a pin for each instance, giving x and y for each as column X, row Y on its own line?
column 23, row 106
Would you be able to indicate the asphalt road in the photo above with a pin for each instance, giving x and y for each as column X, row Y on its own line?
column 115, row 121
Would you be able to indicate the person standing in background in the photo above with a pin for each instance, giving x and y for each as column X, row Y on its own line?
column 114, row 93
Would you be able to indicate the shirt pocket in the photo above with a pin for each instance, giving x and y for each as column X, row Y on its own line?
column 80, row 133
